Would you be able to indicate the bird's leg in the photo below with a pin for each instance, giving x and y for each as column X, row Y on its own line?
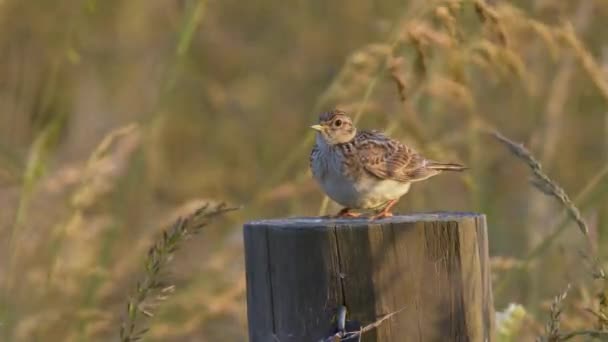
column 345, row 212
column 386, row 212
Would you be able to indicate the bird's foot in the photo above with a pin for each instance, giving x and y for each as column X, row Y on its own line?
column 381, row 215
column 386, row 212
column 346, row 212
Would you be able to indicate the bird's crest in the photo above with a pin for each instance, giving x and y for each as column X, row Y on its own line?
column 327, row 116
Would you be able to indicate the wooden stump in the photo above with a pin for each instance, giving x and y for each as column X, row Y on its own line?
column 432, row 267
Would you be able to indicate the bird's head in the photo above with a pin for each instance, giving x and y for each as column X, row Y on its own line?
column 335, row 127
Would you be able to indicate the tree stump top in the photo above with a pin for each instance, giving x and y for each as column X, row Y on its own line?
column 307, row 222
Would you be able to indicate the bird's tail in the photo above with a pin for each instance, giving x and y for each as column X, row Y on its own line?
column 433, row 165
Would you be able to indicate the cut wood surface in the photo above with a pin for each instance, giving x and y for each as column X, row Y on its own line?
column 432, row 266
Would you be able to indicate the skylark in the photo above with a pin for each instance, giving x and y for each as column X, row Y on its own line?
column 366, row 169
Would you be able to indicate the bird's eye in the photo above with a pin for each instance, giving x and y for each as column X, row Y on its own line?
column 338, row 123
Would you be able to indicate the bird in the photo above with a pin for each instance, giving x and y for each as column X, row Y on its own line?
column 366, row 170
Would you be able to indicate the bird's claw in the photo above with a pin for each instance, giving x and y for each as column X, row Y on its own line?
column 347, row 213
column 381, row 215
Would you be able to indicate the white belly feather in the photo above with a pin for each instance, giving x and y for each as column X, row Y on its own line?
column 367, row 192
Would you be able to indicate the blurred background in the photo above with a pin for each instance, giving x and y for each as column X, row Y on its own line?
column 118, row 116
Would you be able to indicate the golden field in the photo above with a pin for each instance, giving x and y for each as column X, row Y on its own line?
column 117, row 117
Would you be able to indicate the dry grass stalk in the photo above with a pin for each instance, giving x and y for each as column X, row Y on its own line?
column 150, row 289
column 342, row 335
column 552, row 328
column 598, row 273
column 542, row 182
column 601, row 335
column 40, row 151
column 491, row 19
column 586, row 59
column 397, row 77
column 582, row 196
column 602, row 313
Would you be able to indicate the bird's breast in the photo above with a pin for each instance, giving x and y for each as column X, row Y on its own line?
column 348, row 184
column 328, row 168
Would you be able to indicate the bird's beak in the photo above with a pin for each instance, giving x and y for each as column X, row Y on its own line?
column 317, row 128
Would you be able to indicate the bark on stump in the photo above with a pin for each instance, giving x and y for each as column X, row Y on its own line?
column 432, row 266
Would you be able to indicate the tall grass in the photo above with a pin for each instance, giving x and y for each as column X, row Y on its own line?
column 151, row 289
column 223, row 93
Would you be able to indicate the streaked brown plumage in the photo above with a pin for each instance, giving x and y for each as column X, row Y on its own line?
column 367, row 169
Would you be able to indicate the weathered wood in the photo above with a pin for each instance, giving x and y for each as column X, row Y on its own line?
column 433, row 266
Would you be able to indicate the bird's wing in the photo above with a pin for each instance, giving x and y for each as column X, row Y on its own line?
column 386, row 158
